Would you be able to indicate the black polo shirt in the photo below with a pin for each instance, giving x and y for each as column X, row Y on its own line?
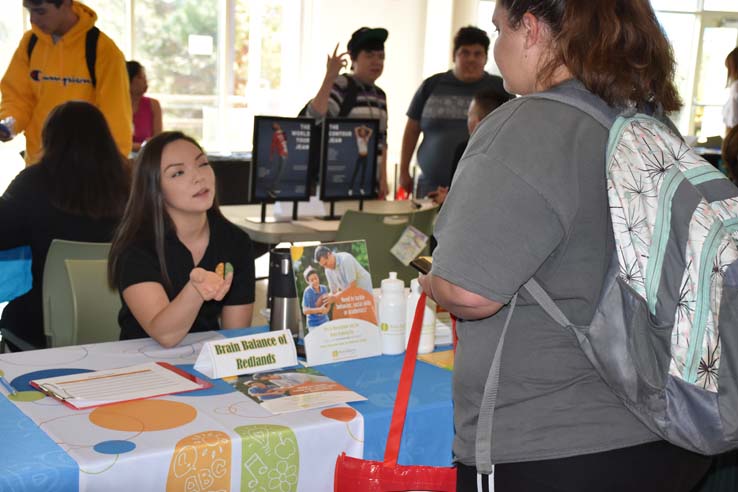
column 227, row 243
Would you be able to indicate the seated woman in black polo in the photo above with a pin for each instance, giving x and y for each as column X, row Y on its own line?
column 177, row 262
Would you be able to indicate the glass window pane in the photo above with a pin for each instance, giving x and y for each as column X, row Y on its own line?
column 717, row 42
column 11, row 32
column 242, row 19
column 681, row 31
column 176, row 41
column 111, row 19
column 265, row 60
column 675, row 5
column 484, row 21
column 271, row 45
column 721, row 5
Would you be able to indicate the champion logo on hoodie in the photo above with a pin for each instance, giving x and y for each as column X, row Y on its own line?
column 38, row 76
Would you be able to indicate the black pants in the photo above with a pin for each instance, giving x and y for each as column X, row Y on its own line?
column 653, row 467
column 359, row 170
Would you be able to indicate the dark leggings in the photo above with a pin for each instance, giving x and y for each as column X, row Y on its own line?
column 653, row 467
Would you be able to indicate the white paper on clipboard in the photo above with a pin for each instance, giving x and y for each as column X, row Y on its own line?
column 91, row 389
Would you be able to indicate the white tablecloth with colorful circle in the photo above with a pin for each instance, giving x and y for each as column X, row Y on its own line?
column 215, row 439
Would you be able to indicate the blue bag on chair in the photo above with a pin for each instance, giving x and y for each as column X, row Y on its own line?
column 15, row 273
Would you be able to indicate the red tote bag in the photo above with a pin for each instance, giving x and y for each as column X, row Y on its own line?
column 356, row 475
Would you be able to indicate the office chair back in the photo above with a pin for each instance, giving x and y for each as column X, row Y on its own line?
column 381, row 232
column 95, row 306
column 56, row 292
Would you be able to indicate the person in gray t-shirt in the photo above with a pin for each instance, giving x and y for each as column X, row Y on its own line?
column 438, row 111
column 529, row 199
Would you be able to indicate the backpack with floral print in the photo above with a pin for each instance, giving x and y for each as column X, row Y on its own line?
column 664, row 336
column 673, row 357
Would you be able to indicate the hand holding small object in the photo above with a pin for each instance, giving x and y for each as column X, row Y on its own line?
column 439, row 195
column 212, row 285
column 425, row 284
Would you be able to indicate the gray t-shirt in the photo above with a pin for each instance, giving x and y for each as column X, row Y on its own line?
column 529, row 199
column 440, row 105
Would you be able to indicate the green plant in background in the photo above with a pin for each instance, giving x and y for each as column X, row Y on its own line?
column 359, row 250
column 162, row 35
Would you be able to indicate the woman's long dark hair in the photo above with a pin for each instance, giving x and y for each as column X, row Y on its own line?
column 730, row 153
column 145, row 219
column 83, row 170
column 731, row 63
column 615, row 48
column 133, row 68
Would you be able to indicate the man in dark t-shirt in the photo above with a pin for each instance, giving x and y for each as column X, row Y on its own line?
column 438, row 110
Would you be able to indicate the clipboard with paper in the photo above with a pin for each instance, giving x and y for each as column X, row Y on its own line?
column 98, row 388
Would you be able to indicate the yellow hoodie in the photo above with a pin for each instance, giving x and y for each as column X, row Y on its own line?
column 58, row 73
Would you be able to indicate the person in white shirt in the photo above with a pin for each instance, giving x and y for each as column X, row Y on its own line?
column 342, row 271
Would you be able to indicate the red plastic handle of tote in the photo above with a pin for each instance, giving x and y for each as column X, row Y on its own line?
column 403, row 388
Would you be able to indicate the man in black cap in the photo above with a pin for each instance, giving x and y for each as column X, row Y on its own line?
column 355, row 95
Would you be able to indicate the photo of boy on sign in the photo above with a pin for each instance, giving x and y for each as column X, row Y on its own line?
column 344, row 267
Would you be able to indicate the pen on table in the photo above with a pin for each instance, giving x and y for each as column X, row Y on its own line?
column 7, row 385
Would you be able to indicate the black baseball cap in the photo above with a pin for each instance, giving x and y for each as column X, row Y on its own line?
column 367, row 38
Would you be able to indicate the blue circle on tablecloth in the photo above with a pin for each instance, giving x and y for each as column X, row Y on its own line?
column 114, row 447
column 22, row 382
column 219, row 387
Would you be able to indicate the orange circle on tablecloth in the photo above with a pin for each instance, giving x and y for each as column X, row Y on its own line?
column 143, row 415
column 344, row 414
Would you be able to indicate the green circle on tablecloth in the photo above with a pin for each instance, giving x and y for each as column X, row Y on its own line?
column 26, row 396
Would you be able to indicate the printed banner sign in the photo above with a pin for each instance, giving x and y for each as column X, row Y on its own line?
column 337, row 301
column 247, row 355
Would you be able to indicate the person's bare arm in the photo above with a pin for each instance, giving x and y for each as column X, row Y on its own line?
column 156, row 110
column 316, row 310
column 383, row 186
column 237, row 316
column 334, row 64
column 458, row 301
column 409, row 141
column 166, row 321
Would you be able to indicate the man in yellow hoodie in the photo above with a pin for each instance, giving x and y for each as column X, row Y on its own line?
column 57, row 71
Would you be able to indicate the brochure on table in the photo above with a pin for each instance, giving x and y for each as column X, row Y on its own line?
column 291, row 390
column 334, row 285
column 246, row 355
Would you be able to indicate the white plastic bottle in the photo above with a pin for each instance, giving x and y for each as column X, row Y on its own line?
column 392, row 315
column 428, row 331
